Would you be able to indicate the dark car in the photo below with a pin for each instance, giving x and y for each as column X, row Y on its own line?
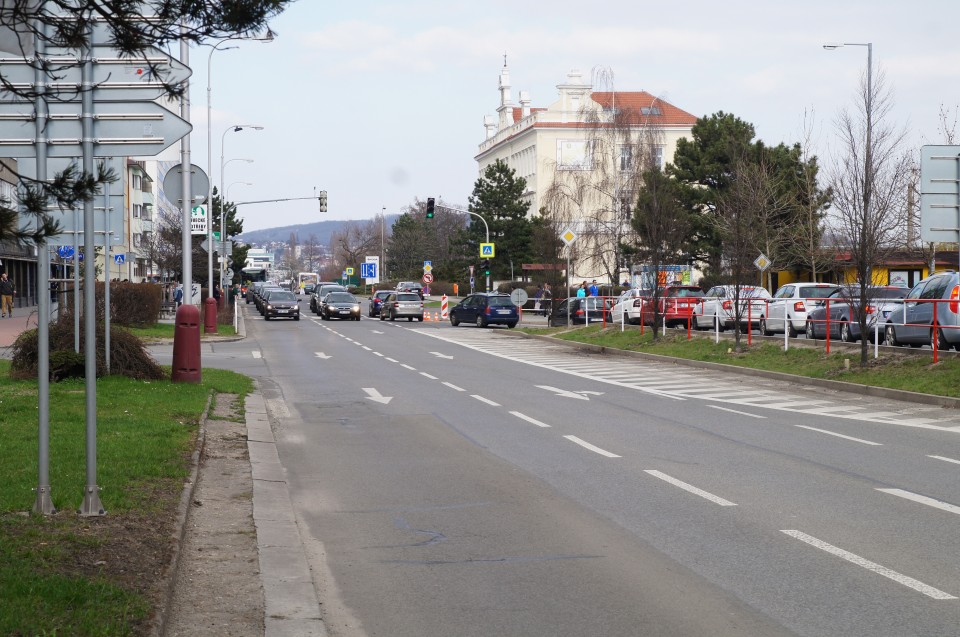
column 485, row 309
column 410, row 286
column 581, row 310
column 843, row 303
column 321, row 291
column 373, row 308
column 281, row 304
column 264, row 294
column 341, row 305
column 912, row 323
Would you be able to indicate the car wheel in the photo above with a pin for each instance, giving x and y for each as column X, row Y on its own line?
column 409, row 319
column 763, row 327
column 454, row 321
column 481, row 320
column 393, row 317
column 845, row 335
column 512, row 324
column 295, row 318
column 266, row 317
column 942, row 343
column 810, row 334
column 382, row 317
column 890, row 336
column 791, row 331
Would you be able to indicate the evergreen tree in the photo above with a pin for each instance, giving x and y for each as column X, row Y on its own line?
column 498, row 197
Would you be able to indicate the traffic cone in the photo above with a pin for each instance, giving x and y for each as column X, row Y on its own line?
column 426, row 316
column 436, row 317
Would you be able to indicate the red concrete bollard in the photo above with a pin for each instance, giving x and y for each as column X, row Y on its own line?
column 210, row 315
column 186, row 346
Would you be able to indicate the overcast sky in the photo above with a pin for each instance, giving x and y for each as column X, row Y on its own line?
column 379, row 103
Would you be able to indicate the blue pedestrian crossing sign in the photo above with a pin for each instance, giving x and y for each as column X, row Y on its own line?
column 119, row 259
column 487, row 251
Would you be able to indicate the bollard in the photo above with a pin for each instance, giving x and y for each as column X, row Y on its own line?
column 186, row 346
column 210, row 315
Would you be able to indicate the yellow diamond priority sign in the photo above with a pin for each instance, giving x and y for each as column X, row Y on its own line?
column 568, row 236
column 762, row 262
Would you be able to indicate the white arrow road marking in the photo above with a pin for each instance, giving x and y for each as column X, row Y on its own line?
column 439, row 355
column 579, row 395
column 322, row 355
column 375, row 396
column 376, row 331
column 257, row 354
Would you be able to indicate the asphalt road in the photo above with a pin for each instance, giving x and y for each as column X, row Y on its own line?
column 466, row 481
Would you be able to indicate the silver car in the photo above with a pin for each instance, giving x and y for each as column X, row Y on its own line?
column 407, row 305
column 912, row 324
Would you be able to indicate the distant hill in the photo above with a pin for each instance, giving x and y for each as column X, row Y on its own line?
column 323, row 230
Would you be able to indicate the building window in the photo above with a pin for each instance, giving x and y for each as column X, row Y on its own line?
column 137, row 238
column 135, row 181
column 574, row 155
column 147, row 212
column 626, row 205
column 658, row 157
column 650, row 110
column 626, row 157
column 137, row 210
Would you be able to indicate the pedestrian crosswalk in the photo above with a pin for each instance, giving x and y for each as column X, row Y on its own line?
column 668, row 380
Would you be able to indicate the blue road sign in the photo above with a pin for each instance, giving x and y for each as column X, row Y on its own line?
column 119, row 259
column 65, row 252
column 486, row 250
column 368, row 270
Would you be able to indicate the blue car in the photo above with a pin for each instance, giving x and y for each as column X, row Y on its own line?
column 485, row 309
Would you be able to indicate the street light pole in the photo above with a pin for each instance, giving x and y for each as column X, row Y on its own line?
column 235, row 128
column 383, row 261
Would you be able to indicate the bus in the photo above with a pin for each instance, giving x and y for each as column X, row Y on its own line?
column 304, row 278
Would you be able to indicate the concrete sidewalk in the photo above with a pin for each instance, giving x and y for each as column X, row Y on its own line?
column 24, row 318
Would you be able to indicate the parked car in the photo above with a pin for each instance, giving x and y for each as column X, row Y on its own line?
column 321, row 291
column 632, row 302
column 788, row 308
column 485, row 309
column 407, row 305
column 374, row 302
column 912, row 324
column 410, row 286
column 582, row 310
column 719, row 301
column 282, row 304
column 342, row 305
column 678, row 303
column 843, row 303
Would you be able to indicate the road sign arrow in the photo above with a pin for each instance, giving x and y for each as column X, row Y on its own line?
column 374, row 395
column 439, row 355
column 565, row 393
column 322, row 355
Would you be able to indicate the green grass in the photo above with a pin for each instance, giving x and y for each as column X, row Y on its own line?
column 891, row 370
column 167, row 330
column 145, row 434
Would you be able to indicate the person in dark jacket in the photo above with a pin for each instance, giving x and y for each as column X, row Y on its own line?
column 7, row 290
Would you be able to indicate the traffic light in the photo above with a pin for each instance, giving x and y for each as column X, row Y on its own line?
column 485, row 265
column 430, row 206
column 323, row 200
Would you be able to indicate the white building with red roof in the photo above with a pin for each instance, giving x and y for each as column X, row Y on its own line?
column 585, row 143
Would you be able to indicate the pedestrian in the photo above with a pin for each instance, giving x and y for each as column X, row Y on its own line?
column 594, row 290
column 7, row 290
column 536, row 299
column 216, row 292
column 547, row 298
column 582, row 290
column 178, row 295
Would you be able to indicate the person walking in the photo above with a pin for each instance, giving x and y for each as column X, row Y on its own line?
column 582, row 290
column 547, row 299
column 594, row 290
column 7, row 290
column 536, row 299
column 178, row 295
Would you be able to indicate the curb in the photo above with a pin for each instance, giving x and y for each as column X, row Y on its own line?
column 837, row 385
column 158, row 626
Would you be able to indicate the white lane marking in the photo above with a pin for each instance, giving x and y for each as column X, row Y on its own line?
column 485, row 400
column 439, row 355
column 594, row 448
column 374, row 395
column 322, row 355
column 428, row 376
column 392, row 360
column 945, row 459
column 369, row 349
column 377, row 354
column 734, row 411
column 452, row 386
column 870, row 566
column 405, row 366
column 529, row 419
column 376, row 331
column 256, row 353
column 690, row 488
column 564, row 392
column 922, row 499
column 833, row 433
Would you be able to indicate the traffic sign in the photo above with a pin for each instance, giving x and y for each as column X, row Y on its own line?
column 762, row 262
column 368, row 270
column 427, row 266
column 65, row 252
column 349, row 271
column 519, row 296
column 115, row 77
column 487, row 251
column 427, row 277
column 120, row 129
column 568, row 236
column 173, row 183
column 198, row 220
column 119, row 258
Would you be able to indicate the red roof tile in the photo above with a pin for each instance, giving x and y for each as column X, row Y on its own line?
column 633, row 101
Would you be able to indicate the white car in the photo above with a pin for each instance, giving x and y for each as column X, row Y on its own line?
column 719, row 301
column 631, row 302
column 788, row 308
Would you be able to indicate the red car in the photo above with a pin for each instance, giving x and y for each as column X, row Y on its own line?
column 678, row 303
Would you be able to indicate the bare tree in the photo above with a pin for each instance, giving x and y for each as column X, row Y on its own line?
column 312, row 250
column 352, row 243
column 869, row 179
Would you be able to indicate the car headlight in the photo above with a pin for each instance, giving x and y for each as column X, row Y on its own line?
column 269, row 307
column 356, row 308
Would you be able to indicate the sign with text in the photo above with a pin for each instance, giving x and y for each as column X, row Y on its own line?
column 198, row 220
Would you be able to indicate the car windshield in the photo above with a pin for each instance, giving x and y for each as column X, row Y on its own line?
column 500, row 301
column 340, row 297
column 381, row 295
column 815, row 292
column 282, row 296
column 684, row 292
column 408, row 297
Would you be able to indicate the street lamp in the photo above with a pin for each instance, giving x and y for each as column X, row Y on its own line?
column 267, row 37
column 244, row 183
column 868, row 151
column 223, row 138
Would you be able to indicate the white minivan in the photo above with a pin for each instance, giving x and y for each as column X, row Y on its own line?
column 788, row 308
